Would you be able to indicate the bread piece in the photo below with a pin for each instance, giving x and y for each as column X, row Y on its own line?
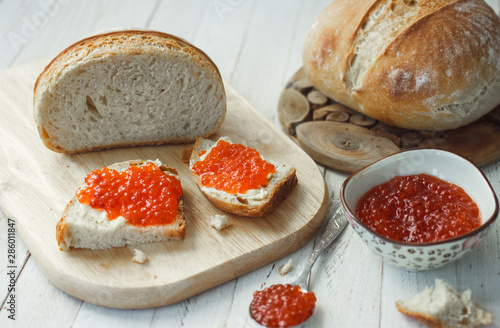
column 219, row 222
column 286, row 268
column 81, row 226
column 442, row 306
column 257, row 202
column 128, row 88
column 139, row 257
column 421, row 64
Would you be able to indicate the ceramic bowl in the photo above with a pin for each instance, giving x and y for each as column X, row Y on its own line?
column 442, row 164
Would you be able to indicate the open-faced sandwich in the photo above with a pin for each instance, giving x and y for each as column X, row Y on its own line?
column 126, row 203
column 237, row 179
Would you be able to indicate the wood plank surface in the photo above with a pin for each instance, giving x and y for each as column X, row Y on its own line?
column 38, row 183
column 354, row 288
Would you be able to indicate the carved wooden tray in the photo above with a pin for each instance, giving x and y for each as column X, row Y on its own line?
column 346, row 140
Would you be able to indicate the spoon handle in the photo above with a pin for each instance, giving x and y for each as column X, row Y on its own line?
column 336, row 223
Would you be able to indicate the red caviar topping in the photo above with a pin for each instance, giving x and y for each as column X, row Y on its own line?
column 282, row 306
column 144, row 195
column 418, row 208
column 233, row 168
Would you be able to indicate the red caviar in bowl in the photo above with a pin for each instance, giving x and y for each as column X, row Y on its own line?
column 282, row 306
column 233, row 168
column 418, row 208
column 143, row 195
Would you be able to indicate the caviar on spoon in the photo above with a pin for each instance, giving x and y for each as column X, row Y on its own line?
column 292, row 304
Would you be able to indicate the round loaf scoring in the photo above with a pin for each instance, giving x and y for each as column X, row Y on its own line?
column 416, row 64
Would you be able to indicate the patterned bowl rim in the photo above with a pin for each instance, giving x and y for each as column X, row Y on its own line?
column 483, row 226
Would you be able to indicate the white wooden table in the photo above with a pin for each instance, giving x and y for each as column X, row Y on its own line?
column 257, row 46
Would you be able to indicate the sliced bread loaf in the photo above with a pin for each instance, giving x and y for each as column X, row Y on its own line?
column 83, row 226
column 128, row 88
column 259, row 201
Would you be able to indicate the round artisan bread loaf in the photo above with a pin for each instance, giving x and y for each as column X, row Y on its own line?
column 128, row 88
column 417, row 64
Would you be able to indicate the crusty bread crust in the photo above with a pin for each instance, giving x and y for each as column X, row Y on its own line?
column 427, row 65
column 173, row 231
column 129, row 42
column 275, row 197
column 62, row 231
column 79, row 49
column 425, row 319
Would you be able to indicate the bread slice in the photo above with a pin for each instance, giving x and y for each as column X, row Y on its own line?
column 128, row 88
column 256, row 202
column 81, row 226
column 442, row 306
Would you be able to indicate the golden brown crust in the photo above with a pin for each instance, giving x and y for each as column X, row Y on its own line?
column 428, row 320
column 444, row 53
column 324, row 39
column 78, row 50
column 88, row 48
column 58, row 149
column 180, row 231
column 175, row 230
column 61, row 232
column 276, row 197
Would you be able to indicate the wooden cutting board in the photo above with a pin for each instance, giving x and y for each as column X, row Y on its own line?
column 36, row 184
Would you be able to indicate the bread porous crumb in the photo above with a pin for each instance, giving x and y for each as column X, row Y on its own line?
column 220, row 222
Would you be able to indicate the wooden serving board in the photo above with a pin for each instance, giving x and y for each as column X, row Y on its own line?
column 346, row 140
column 36, row 185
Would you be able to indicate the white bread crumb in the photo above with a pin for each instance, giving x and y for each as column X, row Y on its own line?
column 219, row 222
column 285, row 268
column 139, row 257
column 443, row 306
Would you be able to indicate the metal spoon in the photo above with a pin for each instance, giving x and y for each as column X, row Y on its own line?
column 330, row 231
